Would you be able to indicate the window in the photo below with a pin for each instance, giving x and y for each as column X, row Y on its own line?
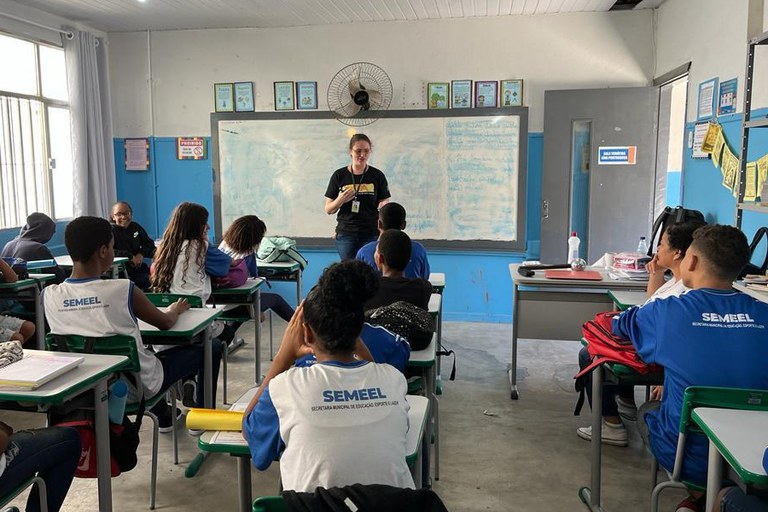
column 35, row 136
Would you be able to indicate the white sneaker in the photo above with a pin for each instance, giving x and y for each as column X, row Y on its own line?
column 615, row 435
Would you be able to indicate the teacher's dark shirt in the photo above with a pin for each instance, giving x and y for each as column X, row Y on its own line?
column 371, row 187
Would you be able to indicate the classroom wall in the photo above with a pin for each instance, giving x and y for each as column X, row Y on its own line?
column 716, row 47
column 613, row 49
column 563, row 51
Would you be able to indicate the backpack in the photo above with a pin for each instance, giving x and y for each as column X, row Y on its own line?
column 751, row 268
column 669, row 216
column 403, row 318
column 19, row 266
column 280, row 248
column 123, row 442
column 236, row 276
column 604, row 347
column 123, row 439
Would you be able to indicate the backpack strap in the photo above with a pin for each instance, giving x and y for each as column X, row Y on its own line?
column 581, row 383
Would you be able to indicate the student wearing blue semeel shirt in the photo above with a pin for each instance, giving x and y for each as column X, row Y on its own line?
column 711, row 336
column 392, row 216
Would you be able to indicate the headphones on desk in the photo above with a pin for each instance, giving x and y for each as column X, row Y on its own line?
column 529, row 270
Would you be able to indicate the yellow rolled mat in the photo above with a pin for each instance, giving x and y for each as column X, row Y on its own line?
column 212, row 419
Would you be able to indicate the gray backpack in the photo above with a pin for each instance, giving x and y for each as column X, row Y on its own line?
column 280, row 248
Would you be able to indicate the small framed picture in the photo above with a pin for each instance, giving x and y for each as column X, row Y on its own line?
column 511, row 93
column 438, row 95
column 284, row 96
column 306, row 95
column 244, row 97
column 224, row 97
column 486, row 93
column 461, row 94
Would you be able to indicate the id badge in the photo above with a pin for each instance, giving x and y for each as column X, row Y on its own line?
column 355, row 206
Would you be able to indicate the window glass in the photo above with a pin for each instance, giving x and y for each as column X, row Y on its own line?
column 61, row 161
column 53, row 74
column 17, row 66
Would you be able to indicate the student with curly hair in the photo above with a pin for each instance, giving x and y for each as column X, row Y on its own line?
column 320, row 420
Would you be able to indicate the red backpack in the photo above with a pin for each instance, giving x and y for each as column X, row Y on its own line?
column 606, row 347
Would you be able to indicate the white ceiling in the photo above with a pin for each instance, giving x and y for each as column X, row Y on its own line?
column 133, row 15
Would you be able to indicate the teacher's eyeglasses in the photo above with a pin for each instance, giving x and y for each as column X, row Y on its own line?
column 361, row 151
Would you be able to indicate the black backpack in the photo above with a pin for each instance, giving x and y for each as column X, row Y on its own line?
column 751, row 268
column 670, row 216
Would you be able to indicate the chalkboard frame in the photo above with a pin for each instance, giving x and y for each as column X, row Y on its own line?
column 518, row 245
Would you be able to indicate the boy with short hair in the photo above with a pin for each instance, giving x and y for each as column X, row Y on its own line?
column 132, row 242
column 392, row 255
column 392, row 216
column 711, row 336
column 113, row 306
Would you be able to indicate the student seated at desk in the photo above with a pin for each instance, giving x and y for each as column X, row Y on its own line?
column 50, row 453
column 185, row 261
column 12, row 328
column 113, row 306
column 338, row 422
column 132, row 242
column 711, row 336
column 733, row 499
column 619, row 401
column 392, row 216
column 392, row 254
column 29, row 245
column 241, row 240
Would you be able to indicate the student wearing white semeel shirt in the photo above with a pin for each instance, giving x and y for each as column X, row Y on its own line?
column 343, row 420
column 620, row 400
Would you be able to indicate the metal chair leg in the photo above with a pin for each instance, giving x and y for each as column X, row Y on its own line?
column 271, row 348
column 153, row 470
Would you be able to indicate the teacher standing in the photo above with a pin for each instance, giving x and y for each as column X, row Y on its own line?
column 356, row 192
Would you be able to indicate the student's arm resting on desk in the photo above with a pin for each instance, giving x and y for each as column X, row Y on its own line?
column 261, row 428
column 147, row 311
column 8, row 275
column 217, row 262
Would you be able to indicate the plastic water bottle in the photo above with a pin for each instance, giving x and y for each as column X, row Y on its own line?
column 642, row 246
column 573, row 247
column 118, row 395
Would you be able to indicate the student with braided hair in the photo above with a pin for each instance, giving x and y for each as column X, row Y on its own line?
column 342, row 420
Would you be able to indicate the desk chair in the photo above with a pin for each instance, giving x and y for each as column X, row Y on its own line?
column 700, row 396
column 122, row 346
column 35, row 480
column 270, row 504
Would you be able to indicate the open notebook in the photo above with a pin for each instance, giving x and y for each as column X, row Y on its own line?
column 36, row 368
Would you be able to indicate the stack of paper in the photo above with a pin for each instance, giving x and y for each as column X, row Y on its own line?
column 35, row 369
column 632, row 275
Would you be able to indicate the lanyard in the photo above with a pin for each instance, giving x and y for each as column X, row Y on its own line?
column 356, row 186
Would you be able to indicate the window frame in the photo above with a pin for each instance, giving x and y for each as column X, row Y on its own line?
column 46, row 104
